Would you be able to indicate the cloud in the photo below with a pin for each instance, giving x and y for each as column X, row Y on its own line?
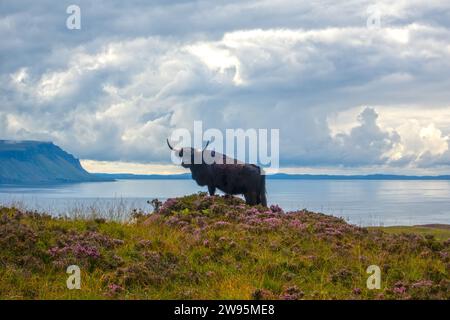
column 114, row 90
column 367, row 143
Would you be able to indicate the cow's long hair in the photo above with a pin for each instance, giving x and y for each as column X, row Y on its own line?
column 228, row 175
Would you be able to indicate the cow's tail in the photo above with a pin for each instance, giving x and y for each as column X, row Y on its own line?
column 262, row 189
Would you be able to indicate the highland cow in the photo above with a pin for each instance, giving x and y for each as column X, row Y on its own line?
column 228, row 175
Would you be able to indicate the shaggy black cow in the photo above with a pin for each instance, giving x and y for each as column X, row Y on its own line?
column 230, row 176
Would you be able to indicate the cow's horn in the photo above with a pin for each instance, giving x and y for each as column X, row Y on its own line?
column 207, row 144
column 171, row 148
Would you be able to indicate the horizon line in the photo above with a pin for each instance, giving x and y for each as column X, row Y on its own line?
column 280, row 175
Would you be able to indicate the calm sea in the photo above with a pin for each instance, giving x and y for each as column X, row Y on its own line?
column 362, row 202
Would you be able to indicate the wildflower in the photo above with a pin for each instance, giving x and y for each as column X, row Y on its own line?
column 168, row 206
column 276, row 209
column 297, row 224
column 220, row 224
column 399, row 288
column 292, row 293
column 273, row 222
column 422, row 284
column 357, row 291
column 252, row 211
column 114, row 289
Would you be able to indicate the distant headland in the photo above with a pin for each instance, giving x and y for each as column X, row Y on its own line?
column 37, row 162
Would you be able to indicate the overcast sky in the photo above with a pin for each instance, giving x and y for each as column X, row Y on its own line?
column 346, row 97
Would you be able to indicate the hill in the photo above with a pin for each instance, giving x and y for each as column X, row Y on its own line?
column 202, row 247
column 35, row 162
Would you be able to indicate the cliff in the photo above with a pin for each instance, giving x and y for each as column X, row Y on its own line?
column 35, row 162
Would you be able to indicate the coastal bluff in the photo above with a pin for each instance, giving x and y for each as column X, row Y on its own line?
column 37, row 162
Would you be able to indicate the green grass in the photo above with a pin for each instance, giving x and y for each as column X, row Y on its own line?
column 440, row 232
column 201, row 247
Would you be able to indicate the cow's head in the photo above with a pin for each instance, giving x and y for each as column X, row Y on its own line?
column 189, row 156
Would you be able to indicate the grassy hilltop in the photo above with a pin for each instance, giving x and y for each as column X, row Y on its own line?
column 201, row 247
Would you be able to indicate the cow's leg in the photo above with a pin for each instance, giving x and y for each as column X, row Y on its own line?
column 250, row 198
column 247, row 198
column 254, row 198
column 211, row 190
